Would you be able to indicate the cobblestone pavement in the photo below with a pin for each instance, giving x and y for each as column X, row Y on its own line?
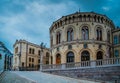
column 38, row 77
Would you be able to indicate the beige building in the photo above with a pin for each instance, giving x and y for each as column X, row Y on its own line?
column 116, row 42
column 28, row 55
column 82, row 36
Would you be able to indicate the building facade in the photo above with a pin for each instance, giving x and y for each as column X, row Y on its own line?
column 116, row 42
column 83, row 36
column 5, row 58
column 27, row 55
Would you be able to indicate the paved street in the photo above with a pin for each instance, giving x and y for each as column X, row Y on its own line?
column 38, row 77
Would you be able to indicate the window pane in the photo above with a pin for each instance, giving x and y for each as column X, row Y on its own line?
column 116, row 53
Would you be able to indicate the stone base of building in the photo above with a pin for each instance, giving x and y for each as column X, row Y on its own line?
column 111, row 74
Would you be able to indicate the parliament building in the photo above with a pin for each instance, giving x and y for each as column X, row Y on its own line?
column 81, row 36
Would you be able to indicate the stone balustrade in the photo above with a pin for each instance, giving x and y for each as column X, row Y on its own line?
column 83, row 64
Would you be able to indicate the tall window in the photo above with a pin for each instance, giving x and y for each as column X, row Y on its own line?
column 51, row 41
column 32, row 59
column 51, row 60
column 30, row 50
column 85, row 56
column 116, row 53
column 33, row 51
column 0, row 56
column 85, row 33
column 39, row 52
column 16, row 50
column 99, row 34
column 99, row 55
column 108, row 36
column 29, row 59
column 70, row 34
column 58, row 59
column 70, row 57
column 47, row 58
column 58, row 37
column 115, row 39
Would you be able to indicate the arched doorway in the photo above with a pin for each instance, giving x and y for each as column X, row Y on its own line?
column 99, row 55
column 85, row 56
column 58, row 59
column 70, row 57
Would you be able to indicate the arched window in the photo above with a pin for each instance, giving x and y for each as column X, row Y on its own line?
column 108, row 36
column 95, row 18
column 70, row 34
column 99, row 55
column 84, row 17
column 58, row 38
column 58, row 59
column 85, row 56
column 29, row 59
column 39, row 52
column 70, row 57
column 0, row 56
column 80, row 18
column 115, row 39
column 89, row 17
column 102, row 20
column 47, row 58
column 99, row 34
column 85, row 33
column 30, row 50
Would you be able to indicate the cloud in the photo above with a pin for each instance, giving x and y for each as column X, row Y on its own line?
column 32, row 23
column 31, row 19
column 106, row 8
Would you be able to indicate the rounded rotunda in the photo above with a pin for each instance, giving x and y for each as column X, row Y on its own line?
column 82, row 36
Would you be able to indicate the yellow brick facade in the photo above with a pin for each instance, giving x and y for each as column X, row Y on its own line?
column 90, row 20
column 24, row 58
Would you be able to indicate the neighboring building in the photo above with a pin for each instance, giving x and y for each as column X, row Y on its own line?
column 83, row 36
column 116, row 42
column 27, row 55
column 5, row 58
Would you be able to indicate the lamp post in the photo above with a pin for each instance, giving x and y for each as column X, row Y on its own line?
column 41, row 56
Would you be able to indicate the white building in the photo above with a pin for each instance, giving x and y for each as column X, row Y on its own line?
column 5, row 58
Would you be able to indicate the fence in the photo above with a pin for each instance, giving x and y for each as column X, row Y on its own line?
column 83, row 64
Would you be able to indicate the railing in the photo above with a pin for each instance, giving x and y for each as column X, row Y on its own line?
column 83, row 64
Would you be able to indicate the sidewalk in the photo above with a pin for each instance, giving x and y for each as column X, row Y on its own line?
column 40, row 77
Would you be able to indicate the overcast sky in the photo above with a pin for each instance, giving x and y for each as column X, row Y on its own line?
column 31, row 19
